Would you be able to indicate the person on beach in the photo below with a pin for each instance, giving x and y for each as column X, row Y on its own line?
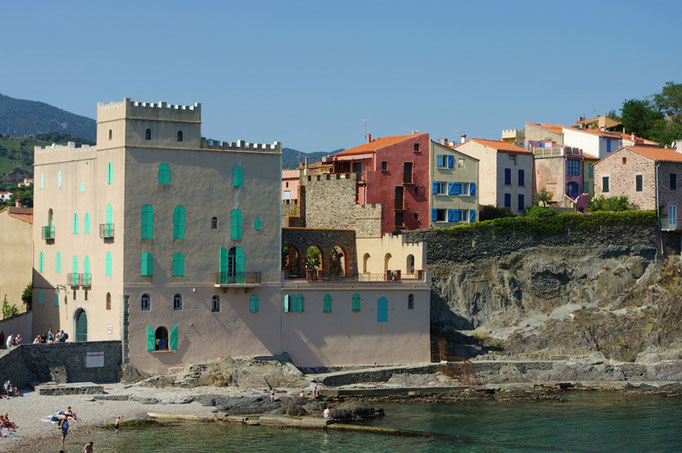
column 50, row 336
column 272, row 395
column 88, row 447
column 117, row 424
column 302, row 394
column 327, row 414
column 69, row 413
column 65, row 429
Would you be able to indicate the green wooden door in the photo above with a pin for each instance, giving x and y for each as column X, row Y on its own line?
column 82, row 326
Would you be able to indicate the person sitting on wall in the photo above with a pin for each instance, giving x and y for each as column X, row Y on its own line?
column 10, row 341
column 327, row 414
column 50, row 336
column 17, row 340
column 64, row 337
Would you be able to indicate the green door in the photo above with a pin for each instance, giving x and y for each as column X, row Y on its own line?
column 81, row 326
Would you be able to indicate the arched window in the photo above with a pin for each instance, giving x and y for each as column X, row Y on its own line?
column 146, row 264
column 177, row 302
column 327, row 304
column 300, row 303
column 257, row 224
column 147, row 222
column 235, row 266
column 164, row 173
column 179, row 136
column 75, row 223
column 214, row 223
column 179, row 222
column 356, row 302
column 107, row 265
column 215, row 303
column 86, row 223
column 148, row 134
column 110, row 173
column 237, row 177
column 410, row 302
column 145, row 303
column 178, row 265
column 253, row 303
column 236, row 225
column 410, row 264
column 110, row 134
column 161, row 337
column 382, row 310
column 108, row 301
column 365, row 264
column 387, row 261
column 41, row 262
column 59, row 179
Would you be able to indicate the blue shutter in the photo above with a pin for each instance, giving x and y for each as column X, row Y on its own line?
column 472, row 215
column 435, row 188
column 451, row 161
column 472, row 188
column 434, row 215
column 451, row 215
column 522, row 179
column 507, row 200
column 457, row 188
column 382, row 310
column 507, row 176
column 451, row 188
column 521, row 202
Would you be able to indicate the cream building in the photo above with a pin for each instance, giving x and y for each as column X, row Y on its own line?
column 16, row 263
column 454, row 186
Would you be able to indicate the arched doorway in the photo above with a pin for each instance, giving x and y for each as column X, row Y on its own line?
column 81, row 320
column 365, row 263
column 410, row 264
column 387, row 262
column 337, row 261
column 291, row 261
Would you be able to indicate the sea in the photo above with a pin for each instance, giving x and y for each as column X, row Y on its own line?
column 580, row 422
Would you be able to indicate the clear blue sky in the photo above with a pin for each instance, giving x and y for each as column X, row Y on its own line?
column 308, row 72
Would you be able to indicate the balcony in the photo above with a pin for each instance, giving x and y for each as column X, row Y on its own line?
column 237, row 279
column 557, row 151
column 48, row 233
column 106, row 230
column 75, row 280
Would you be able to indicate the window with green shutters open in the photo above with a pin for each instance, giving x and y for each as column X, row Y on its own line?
column 355, row 306
column 178, row 265
column 146, row 264
column 147, row 226
column 253, row 303
column 164, row 174
column 236, row 225
column 161, row 339
column 300, row 303
column 237, row 177
column 327, row 304
column 179, row 222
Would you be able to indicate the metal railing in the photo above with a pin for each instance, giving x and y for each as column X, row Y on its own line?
column 48, row 232
column 238, row 278
column 106, row 230
column 313, row 275
column 74, row 279
column 557, row 151
column 85, row 279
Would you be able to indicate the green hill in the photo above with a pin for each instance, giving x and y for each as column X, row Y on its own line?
column 23, row 118
column 291, row 158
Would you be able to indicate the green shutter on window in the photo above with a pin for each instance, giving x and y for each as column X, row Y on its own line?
column 41, row 297
column 256, row 224
column 151, row 339
column 239, row 264
column 164, row 173
column 173, row 343
column 75, row 224
column 300, row 303
column 237, row 177
column 179, row 222
column 287, row 303
column 86, row 270
column 327, row 306
column 222, row 265
column 82, row 186
column 178, row 265
column 253, row 303
column 146, row 264
column 59, row 179
column 107, row 265
column 356, row 302
column 58, row 263
column 56, row 299
column 86, row 223
column 41, row 262
column 147, row 227
column 110, row 173
column 42, row 180
column 236, row 225
column 74, row 270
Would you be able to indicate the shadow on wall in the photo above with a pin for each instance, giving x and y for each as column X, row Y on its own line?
column 442, row 315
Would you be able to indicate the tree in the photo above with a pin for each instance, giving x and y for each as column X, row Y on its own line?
column 27, row 296
column 313, row 258
column 8, row 310
column 543, row 196
column 669, row 100
column 639, row 116
column 24, row 195
column 621, row 203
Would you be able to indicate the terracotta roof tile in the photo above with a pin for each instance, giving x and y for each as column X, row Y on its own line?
column 24, row 214
column 556, row 128
column 655, row 153
column 498, row 145
column 376, row 144
column 638, row 140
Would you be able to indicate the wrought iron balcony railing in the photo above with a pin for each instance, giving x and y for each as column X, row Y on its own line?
column 106, row 230
column 238, row 278
column 48, row 232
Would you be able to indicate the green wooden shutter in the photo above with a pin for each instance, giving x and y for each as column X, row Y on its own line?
column 147, row 226
column 86, row 223
column 240, row 264
column 58, row 263
column 109, row 214
column 110, row 173
column 237, row 177
column 59, row 179
column 287, row 303
column 236, row 225
column 75, row 224
column 151, row 339
column 41, row 262
column 56, row 299
column 300, row 303
column 42, row 180
column 179, row 222
column 382, row 309
column 356, row 302
column 253, row 303
column 257, row 224
column 173, row 343
column 107, row 265
column 327, row 306
column 86, row 270
column 41, row 297
column 164, row 174
column 74, row 270
column 178, row 265
column 222, row 266
column 146, row 264
column 82, row 186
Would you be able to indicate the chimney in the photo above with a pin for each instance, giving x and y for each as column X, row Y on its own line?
column 305, row 163
column 444, row 141
column 17, row 203
column 633, row 137
column 463, row 138
column 369, row 138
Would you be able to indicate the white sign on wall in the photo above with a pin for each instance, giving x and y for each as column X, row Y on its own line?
column 110, row 329
column 94, row 359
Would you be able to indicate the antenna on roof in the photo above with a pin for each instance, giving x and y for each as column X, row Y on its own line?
column 366, row 122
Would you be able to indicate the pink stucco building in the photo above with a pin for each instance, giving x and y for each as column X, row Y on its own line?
column 290, row 183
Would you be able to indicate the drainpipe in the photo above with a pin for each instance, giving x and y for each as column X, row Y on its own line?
column 658, row 213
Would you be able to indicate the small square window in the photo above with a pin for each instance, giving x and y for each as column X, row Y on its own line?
column 286, row 184
column 460, row 163
column 625, row 160
column 416, row 147
column 416, row 216
column 384, row 165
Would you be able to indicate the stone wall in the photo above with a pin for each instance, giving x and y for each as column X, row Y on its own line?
column 289, row 208
column 28, row 364
column 324, row 239
column 21, row 324
column 622, row 178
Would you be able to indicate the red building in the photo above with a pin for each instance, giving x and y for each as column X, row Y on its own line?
column 393, row 171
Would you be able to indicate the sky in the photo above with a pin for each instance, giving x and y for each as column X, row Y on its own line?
column 314, row 74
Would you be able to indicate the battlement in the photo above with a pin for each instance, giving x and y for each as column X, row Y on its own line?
column 331, row 176
column 240, row 145
column 148, row 110
column 66, row 152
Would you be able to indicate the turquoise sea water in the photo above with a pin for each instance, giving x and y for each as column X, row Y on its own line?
column 585, row 422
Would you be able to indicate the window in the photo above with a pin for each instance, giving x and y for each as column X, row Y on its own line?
column 257, row 224
column 75, row 224
column 215, row 303
column 416, row 216
column 638, row 183
column 438, row 215
column 59, row 179
column 410, row 302
column 110, row 173
column 605, row 184
column 300, row 303
column 384, row 165
column 454, row 188
column 146, row 264
column 608, row 145
column 416, row 147
column 161, row 339
column 507, row 176
column 107, row 265
column 110, row 134
column 590, row 170
column 108, row 301
column 145, row 303
column 253, row 303
column 86, row 223
column 286, row 184
column 624, row 160
column 164, row 174
column 356, row 302
column 177, row 302
column 214, row 223
column 673, row 181
column 573, row 167
column 147, row 230
column 236, row 225
column 507, row 200
column 456, row 215
column 442, row 161
column 148, row 134
column 586, row 187
column 287, row 194
column 382, row 310
column 237, row 177
column 472, row 215
column 521, row 202
column 327, row 304
column 58, row 263
column 522, row 178
column 179, row 222
column 398, row 219
column 87, row 278
column 178, row 265
column 82, row 186
column 42, row 180
column 179, row 136
column 74, row 272
column 41, row 295
column 461, row 163
column 440, row 188
column 41, row 262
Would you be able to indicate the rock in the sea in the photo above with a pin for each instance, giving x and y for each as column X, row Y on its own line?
column 353, row 410
column 293, row 407
column 315, row 408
